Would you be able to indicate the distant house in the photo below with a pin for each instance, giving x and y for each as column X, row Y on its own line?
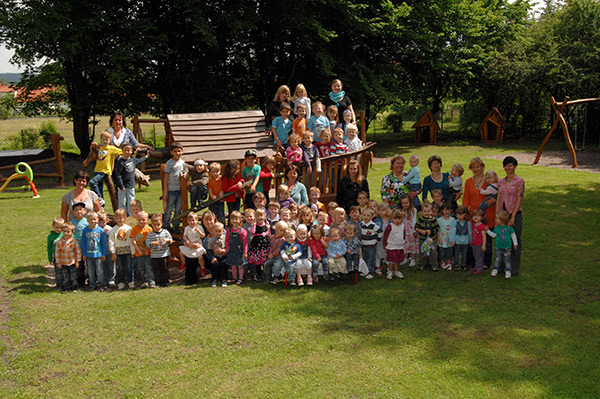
column 6, row 90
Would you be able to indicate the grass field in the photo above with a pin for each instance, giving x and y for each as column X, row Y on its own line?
column 430, row 335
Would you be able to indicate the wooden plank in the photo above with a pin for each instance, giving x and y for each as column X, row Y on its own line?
column 219, row 121
column 215, row 115
column 222, row 133
column 250, row 125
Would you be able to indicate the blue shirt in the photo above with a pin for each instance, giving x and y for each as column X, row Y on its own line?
column 282, row 128
column 336, row 248
column 93, row 242
column 313, row 122
column 79, row 226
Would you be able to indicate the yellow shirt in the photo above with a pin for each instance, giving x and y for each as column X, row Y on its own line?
column 106, row 158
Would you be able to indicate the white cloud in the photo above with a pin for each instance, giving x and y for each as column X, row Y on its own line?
column 5, row 65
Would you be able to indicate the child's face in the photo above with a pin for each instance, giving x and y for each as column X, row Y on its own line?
column 251, row 160
column 490, row 179
column 285, row 215
column 437, row 197
column 273, row 211
column 283, row 195
column 321, row 219
column 176, row 153
column 236, row 220
column 349, row 232
column 57, row 227
column 192, row 221
column 318, row 110
column 354, row 214
column 351, row 133
column 367, row 217
column 362, row 200
column 290, row 237
column 405, row 203
column 271, row 165
column 335, row 236
column 398, row 220
column 383, row 212
column 199, row 168
column 316, row 234
column 413, row 162
column 127, row 151
column 307, row 140
column 259, row 203
column 372, row 204
column 325, row 137
column 427, row 212
column 260, row 217
column 105, row 139
column 314, row 196
column 338, row 136
column 235, row 171
column 476, row 219
column 301, row 112
column 79, row 212
column 454, row 172
column 314, row 210
column 347, row 119
column 293, row 213
column 339, row 217
column 142, row 220
column 435, row 212
column 285, row 113
column 93, row 221
column 446, row 212
column 279, row 232
column 215, row 173
column 156, row 225
column 250, row 217
column 302, row 234
column 331, row 113
column 499, row 221
column 120, row 219
column 67, row 233
column 461, row 216
column 101, row 222
column 293, row 143
column 218, row 231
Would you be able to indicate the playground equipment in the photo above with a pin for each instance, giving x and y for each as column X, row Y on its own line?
column 558, row 109
column 426, row 129
column 26, row 174
column 493, row 126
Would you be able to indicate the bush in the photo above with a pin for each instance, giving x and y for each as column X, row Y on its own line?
column 393, row 121
column 46, row 129
column 8, row 106
column 30, row 138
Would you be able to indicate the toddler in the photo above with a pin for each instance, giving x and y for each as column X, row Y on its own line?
column 354, row 217
column 353, row 142
column 438, row 197
column 199, row 183
column 283, row 196
column 158, row 240
column 322, row 218
column 236, row 244
column 192, row 252
column 53, row 237
column 462, row 238
column 370, row 236
column 299, row 124
column 428, row 228
column 215, row 191
column 324, row 145
column 141, row 257
column 174, row 169
column 413, row 179
column 290, row 252
column 353, row 248
column 273, row 213
column 478, row 240
column 251, row 173
column 215, row 253
column 135, row 207
column 382, row 220
column 336, row 252
column 455, row 181
column 301, row 100
column 331, row 207
column 305, row 217
column 347, row 119
column 93, row 248
column 121, row 247
column 266, row 176
column 339, row 219
column 314, row 195
column 125, row 177
column 446, row 237
column 393, row 243
column 294, row 214
column 282, row 126
column 294, row 153
column 311, row 153
column 338, row 146
column 334, row 119
column 109, row 265
column 304, row 263
column 274, row 262
column 318, row 253
column 259, row 244
column 503, row 235
column 363, row 201
column 491, row 191
column 67, row 257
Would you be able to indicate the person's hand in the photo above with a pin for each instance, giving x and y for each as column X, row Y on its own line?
column 252, row 189
column 214, row 260
column 483, row 248
column 122, row 189
column 84, row 258
column 490, row 201
column 245, row 256
column 103, row 258
column 451, row 244
column 429, row 241
column 511, row 222
column 59, row 266
column 515, row 247
column 114, row 257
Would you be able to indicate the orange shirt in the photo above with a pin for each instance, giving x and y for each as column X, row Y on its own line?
column 139, row 234
column 299, row 126
column 472, row 197
column 215, row 185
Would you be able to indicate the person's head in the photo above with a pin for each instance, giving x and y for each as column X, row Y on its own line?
column 491, row 177
column 502, row 218
column 79, row 210
column 292, row 174
column 235, row 219
column 306, row 216
column 120, row 216
column 350, row 231
column 192, row 219
column 294, row 140
column 339, row 215
column 362, row 198
column 116, row 120
column 335, row 234
column 57, row 224
column 397, row 216
column 142, row 218
column 322, row 218
column 462, row 213
column 317, row 232
column 407, row 205
column 200, row 165
column 250, row 157
column 331, row 207
column 326, row 135
column 383, row 210
column 231, row 169
column 259, row 200
column 435, row 163
column 249, row 216
column 215, row 170
column 354, row 171
column 274, row 209
column 397, row 164
column 427, row 210
column 367, row 215
column 457, row 170
column 105, row 138
column 280, row 228
column 92, row 219
column 336, row 85
column 176, row 150
column 446, row 209
column 208, row 220
column 135, row 207
column 300, row 92
column 285, row 110
column 354, row 212
column 102, row 218
column 314, row 194
column 510, row 164
column 318, row 108
column 478, row 215
column 332, row 113
column 435, row 209
column 307, row 138
column 81, row 178
column 127, row 149
column 413, row 160
column 301, row 110
column 67, row 230
column 261, row 216
column 293, row 207
column 290, row 236
column 338, row 135
column 372, row 204
column 351, row 131
column 282, row 94
column 477, row 166
column 269, row 162
column 347, row 117
column 157, row 222
column 302, row 232
column 437, row 195
column 285, row 214
column 218, row 230
column 314, row 209
column 283, row 192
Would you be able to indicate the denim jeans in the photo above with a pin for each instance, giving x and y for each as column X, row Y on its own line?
column 109, row 269
column 124, row 269
column 460, row 255
column 58, row 276
column 173, row 203
column 369, row 254
column 69, row 277
column 97, row 184
column 197, row 196
column 478, row 254
column 289, row 268
column 269, row 267
column 218, row 208
column 502, row 255
column 95, row 272
column 144, row 266
column 433, row 255
column 125, row 197
column 352, row 262
column 324, row 266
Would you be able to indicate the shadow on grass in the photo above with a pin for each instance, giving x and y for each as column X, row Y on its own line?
column 30, row 279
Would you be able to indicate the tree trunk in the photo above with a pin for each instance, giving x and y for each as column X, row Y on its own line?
column 81, row 132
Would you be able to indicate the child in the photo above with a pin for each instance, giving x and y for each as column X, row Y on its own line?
column 233, row 182
column 215, row 191
column 411, row 242
column 250, row 173
column 455, row 181
column 331, row 207
column 446, row 236
column 336, row 251
column 503, row 235
column 119, row 243
column 174, row 170
column 294, row 153
column 299, row 124
column 192, row 251
column 125, row 177
column 283, row 196
column 286, row 216
column 199, row 182
column 353, row 142
column 346, row 120
column 158, row 241
column 478, row 240
column 324, row 145
column 266, row 176
column 67, row 256
column 236, row 244
column 314, row 209
column 274, row 210
column 304, row 263
column 109, row 265
column 393, row 243
column 382, row 220
column 306, row 217
column 427, row 227
column 370, row 236
column 354, row 215
column 290, row 252
column 260, row 202
column 141, row 257
column 93, row 247
column 135, row 207
column 294, row 218
column 339, row 219
column 353, row 248
column 53, row 237
column 438, row 197
column 413, row 179
column 363, row 200
column 318, row 249
column 104, row 163
column 301, row 100
column 318, row 121
column 338, row 146
column 259, row 244
column 282, row 126
column 322, row 218
column 463, row 238
column 274, row 261
column 311, row 153
column 334, row 119
column 80, row 223
column 314, row 195
column 491, row 191
column 215, row 253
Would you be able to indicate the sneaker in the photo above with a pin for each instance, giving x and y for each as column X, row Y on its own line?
column 435, row 268
column 405, row 261
column 239, row 282
column 507, row 274
column 224, row 284
column 494, row 272
column 389, row 275
column 444, row 266
column 309, row 280
column 378, row 271
column 369, row 276
column 152, row 285
column 300, row 281
column 398, row 274
column 131, row 285
column 214, row 284
column 412, row 263
column 293, row 283
column 456, row 268
column 144, row 285
column 111, row 284
column 476, row 271
column 275, row 281
column 326, row 277
column 121, row 286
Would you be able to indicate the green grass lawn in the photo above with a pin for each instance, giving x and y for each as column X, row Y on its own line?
column 430, row 335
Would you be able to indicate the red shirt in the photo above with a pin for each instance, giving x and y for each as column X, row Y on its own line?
column 229, row 185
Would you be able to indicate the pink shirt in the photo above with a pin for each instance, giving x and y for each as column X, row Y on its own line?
column 478, row 233
column 510, row 193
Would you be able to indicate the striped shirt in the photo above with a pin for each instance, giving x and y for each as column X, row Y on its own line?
column 67, row 252
column 162, row 249
column 370, row 233
column 338, row 148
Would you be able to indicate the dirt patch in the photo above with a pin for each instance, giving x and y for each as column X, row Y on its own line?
column 587, row 161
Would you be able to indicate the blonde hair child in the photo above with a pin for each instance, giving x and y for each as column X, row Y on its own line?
column 301, row 99
column 393, row 243
column 491, row 190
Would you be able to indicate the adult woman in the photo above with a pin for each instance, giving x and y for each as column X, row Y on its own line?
column 297, row 189
column 436, row 179
column 511, row 190
column 350, row 184
column 392, row 185
column 282, row 95
column 79, row 194
column 472, row 198
column 338, row 98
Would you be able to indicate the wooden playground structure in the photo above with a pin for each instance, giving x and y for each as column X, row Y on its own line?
column 426, row 129
column 493, row 126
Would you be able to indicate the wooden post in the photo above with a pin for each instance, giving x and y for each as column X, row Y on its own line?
column 184, row 194
column 363, row 127
column 558, row 112
column 56, row 138
column 162, row 185
column 137, row 129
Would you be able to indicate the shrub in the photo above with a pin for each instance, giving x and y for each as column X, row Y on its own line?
column 393, row 121
column 46, row 129
column 30, row 138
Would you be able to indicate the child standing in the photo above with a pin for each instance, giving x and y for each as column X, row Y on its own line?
column 215, row 191
column 322, row 222
column 478, row 240
column 67, row 256
column 334, row 119
column 109, row 265
column 318, row 121
column 136, row 207
column 174, row 170
column 120, row 245
column 363, row 200
column 233, row 182
column 382, row 220
column 299, row 124
column 141, row 257
column 236, row 244
column 411, row 242
column 354, row 217
column 314, row 195
column 318, row 249
column 93, row 246
column 446, row 236
column 301, row 100
column 273, row 213
column 158, row 241
column 353, row 142
column 251, row 172
column 266, row 176
column 304, row 263
column 336, row 251
column 192, row 252
column 215, row 253
column 274, row 262
column 80, row 223
column 199, row 182
column 503, row 235
column 393, row 243
column 282, row 126
column 370, row 235
column 463, row 238
column 53, row 237
column 491, row 191
column 311, row 153
column 413, row 179
column 125, row 177
column 353, row 248
column 259, row 246
column 104, row 163
column 428, row 228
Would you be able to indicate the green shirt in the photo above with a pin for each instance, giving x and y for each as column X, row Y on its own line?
column 51, row 244
column 249, row 174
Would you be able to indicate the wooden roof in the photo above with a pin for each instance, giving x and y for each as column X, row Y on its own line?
column 221, row 136
column 495, row 117
column 428, row 119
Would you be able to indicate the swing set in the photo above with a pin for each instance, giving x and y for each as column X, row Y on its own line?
column 580, row 118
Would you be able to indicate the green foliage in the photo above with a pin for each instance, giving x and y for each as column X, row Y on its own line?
column 45, row 130
column 8, row 106
column 31, row 138
column 393, row 121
